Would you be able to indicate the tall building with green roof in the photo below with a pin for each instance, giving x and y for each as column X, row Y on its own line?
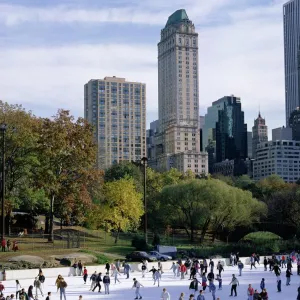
column 178, row 142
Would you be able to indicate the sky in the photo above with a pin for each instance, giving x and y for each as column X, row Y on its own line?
column 50, row 48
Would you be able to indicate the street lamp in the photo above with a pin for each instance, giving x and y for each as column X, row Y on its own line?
column 3, row 128
column 144, row 161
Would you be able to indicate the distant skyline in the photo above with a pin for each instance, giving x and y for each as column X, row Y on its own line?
column 50, row 49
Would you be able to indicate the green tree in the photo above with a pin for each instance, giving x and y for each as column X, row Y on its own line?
column 66, row 150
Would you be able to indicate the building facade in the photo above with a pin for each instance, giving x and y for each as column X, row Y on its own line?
column 117, row 109
column 294, row 123
column 278, row 157
column 231, row 131
column 282, row 133
column 249, row 144
column 259, row 133
column 178, row 95
column 291, row 21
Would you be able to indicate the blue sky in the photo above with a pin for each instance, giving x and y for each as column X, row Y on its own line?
column 50, row 48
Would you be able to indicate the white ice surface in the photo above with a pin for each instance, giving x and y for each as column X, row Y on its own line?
column 175, row 286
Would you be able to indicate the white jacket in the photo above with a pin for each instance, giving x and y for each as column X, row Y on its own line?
column 165, row 296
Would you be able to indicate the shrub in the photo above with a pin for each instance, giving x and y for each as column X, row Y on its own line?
column 140, row 243
column 261, row 237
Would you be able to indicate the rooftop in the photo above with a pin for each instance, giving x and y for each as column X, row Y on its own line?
column 177, row 17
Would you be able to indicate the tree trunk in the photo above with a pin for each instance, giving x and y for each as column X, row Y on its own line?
column 204, row 230
column 187, row 232
column 51, row 235
column 61, row 223
column 46, row 231
column 117, row 235
column 192, row 234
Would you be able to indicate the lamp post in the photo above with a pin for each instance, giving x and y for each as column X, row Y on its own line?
column 3, row 128
column 144, row 161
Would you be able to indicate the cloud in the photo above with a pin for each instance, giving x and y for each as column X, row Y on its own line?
column 243, row 56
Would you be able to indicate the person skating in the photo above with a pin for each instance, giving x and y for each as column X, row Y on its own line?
column 219, row 279
column 298, row 266
column 155, row 275
column 3, row 245
column 62, row 288
column 107, row 267
column 212, row 288
column 160, row 267
column 265, row 264
column 18, row 288
column 262, row 284
column 74, row 266
column 234, row 283
column 127, row 270
column 85, row 274
column 252, row 262
column 38, row 286
column 174, row 268
column 116, row 274
column 41, row 277
column 194, row 285
column 48, row 296
column 212, row 265
column 276, row 269
column 106, row 282
column 283, row 261
column 30, row 292
column 298, row 290
column 201, row 296
column 210, row 278
column 137, row 287
column 165, row 295
column 256, row 295
column 240, row 267
column 93, row 279
column 98, row 283
column 183, row 270
column 278, row 278
column 191, row 297
column 187, row 265
column 193, row 272
column 58, row 281
column 2, row 288
column 205, row 265
column 288, row 274
column 289, row 265
column 144, row 268
column 250, row 292
column 264, row 295
column 181, row 297
column 79, row 268
column 204, row 281
column 220, row 267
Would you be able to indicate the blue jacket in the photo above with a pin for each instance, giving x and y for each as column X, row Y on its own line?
column 200, row 297
column 262, row 284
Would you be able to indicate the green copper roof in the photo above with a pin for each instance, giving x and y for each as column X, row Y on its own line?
column 177, row 17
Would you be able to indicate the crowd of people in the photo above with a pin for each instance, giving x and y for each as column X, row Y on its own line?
column 204, row 278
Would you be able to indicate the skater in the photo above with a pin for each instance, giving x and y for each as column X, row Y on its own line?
column 265, row 264
column 144, row 268
column 79, row 267
column 234, row 283
column 240, row 267
column 194, row 286
column 205, row 265
column 210, row 278
column 174, row 268
column 219, row 279
column 252, row 262
column 256, row 295
column 93, row 278
column 3, row 244
column 118, row 265
column 62, row 288
column 58, row 281
column 193, row 272
column 48, row 296
column 288, row 276
column 201, row 296
column 127, row 270
column 160, row 267
column 18, row 288
column 137, row 287
column 38, row 286
column 298, row 290
column 278, row 284
column 85, row 275
column 262, row 284
column 204, row 281
column 191, row 297
column 264, row 295
column 75, row 266
column 187, row 265
column 30, row 293
column 212, row 288
column 42, row 278
column 220, row 268
column 106, row 282
column 181, row 297
column 112, row 268
column 165, row 295
column 98, row 283
column 212, row 265
column 183, row 270
column 107, row 267
column 283, row 262
column 115, row 274
column 250, row 292
column 276, row 270
column 298, row 266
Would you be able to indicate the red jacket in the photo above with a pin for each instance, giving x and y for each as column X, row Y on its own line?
column 3, row 243
column 182, row 268
column 251, row 291
column 85, row 272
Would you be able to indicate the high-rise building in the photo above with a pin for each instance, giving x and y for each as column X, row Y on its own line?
column 231, row 131
column 282, row 133
column 291, row 21
column 278, row 157
column 294, row 123
column 249, row 144
column 117, row 109
column 178, row 141
column 259, row 133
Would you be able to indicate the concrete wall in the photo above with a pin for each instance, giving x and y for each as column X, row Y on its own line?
column 66, row 271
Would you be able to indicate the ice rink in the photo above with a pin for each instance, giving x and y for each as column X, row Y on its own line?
column 175, row 286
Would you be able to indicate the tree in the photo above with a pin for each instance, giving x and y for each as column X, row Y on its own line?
column 66, row 150
column 123, row 206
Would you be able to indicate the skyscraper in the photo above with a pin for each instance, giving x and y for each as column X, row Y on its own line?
column 294, row 123
column 231, row 131
column 291, row 21
column 259, row 133
column 178, row 144
column 117, row 109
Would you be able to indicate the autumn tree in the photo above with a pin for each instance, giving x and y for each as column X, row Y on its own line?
column 65, row 150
